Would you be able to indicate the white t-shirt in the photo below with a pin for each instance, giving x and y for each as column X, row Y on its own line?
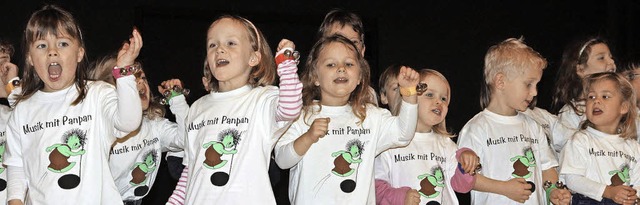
column 64, row 149
column 134, row 161
column 509, row 147
column 426, row 164
column 230, row 136
column 568, row 123
column 339, row 168
column 604, row 158
column 5, row 112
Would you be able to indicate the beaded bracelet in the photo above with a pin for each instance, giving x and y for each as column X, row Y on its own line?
column 170, row 93
column 123, row 71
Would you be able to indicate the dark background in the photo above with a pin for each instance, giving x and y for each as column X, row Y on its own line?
column 451, row 37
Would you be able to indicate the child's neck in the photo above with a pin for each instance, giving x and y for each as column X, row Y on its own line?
column 333, row 102
column 501, row 109
column 424, row 128
column 611, row 129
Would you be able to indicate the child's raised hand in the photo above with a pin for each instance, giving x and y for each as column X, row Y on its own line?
column 412, row 197
column 621, row 194
column 408, row 78
column 8, row 71
column 286, row 43
column 560, row 197
column 517, row 189
column 168, row 85
column 469, row 161
column 318, row 129
column 130, row 50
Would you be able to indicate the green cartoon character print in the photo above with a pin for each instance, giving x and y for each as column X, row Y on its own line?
column 140, row 170
column 621, row 176
column 2, row 148
column 429, row 182
column 521, row 164
column 74, row 140
column 226, row 144
column 344, row 158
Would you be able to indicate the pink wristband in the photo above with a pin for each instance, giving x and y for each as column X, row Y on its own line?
column 124, row 71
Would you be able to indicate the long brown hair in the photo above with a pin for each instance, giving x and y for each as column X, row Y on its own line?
column 51, row 20
column 358, row 99
column 568, row 86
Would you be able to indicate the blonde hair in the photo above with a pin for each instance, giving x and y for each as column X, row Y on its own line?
column 627, row 125
column 358, row 99
column 262, row 74
column 102, row 70
column 511, row 57
column 440, row 128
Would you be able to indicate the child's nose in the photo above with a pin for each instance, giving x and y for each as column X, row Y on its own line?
column 53, row 52
column 341, row 69
column 220, row 50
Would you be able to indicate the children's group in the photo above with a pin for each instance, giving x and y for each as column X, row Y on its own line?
column 75, row 131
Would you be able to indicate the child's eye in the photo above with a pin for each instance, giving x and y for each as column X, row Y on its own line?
column 231, row 43
column 444, row 99
column 331, row 65
column 591, row 97
column 606, row 97
column 212, row 45
column 63, row 44
column 40, row 46
column 349, row 64
column 430, row 95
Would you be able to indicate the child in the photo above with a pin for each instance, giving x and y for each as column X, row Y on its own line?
column 514, row 153
column 401, row 178
column 134, row 159
column 579, row 59
column 389, row 89
column 338, row 169
column 600, row 160
column 61, row 131
column 232, row 130
column 8, row 73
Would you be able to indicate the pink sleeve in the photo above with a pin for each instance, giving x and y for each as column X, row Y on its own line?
column 460, row 182
column 290, row 95
column 387, row 195
column 178, row 195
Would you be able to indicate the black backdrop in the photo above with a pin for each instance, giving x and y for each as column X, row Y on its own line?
column 451, row 37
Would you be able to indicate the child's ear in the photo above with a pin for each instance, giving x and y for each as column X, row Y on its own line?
column 254, row 59
column 625, row 108
column 80, row 54
column 29, row 60
column 580, row 70
column 383, row 98
column 499, row 81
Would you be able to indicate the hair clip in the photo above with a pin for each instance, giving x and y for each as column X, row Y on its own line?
column 170, row 93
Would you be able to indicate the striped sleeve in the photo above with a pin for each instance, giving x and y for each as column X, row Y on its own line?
column 179, row 194
column 290, row 94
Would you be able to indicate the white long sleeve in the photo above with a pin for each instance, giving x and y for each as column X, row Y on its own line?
column 128, row 115
column 16, row 184
column 585, row 186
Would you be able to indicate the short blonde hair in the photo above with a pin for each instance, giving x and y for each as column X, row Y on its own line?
column 511, row 57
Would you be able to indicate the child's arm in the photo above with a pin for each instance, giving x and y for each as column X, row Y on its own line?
column 16, row 185
column 555, row 195
column 180, row 192
column 468, row 159
column 179, row 107
column 289, row 152
column 516, row 189
column 129, row 112
column 290, row 92
column 567, row 124
column 386, row 194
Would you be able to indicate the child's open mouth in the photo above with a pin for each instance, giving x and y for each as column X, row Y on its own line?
column 54, row 70
column 341, row 80
column 222, row 62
